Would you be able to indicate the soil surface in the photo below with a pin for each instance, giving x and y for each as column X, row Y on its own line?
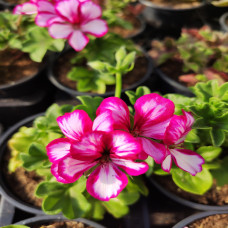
column 215, row 196
column 127, row 32
column 17, row 2
column 22, row 183
column 63, row 66
column 176, row 4
column 62, row 224
column 15, row 66
column 218, row 221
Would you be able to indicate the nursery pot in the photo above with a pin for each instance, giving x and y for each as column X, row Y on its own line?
column 186, row 202
column 223, row 21
column 5, row 190
column 138, row 215
column 73, row 92
column 168, row 85
column 172, row 18
column 46, row 220
column 191, row 219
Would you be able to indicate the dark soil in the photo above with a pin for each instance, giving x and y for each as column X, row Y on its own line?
column 16, row 1
column 218, row 221
column 176, row 4
column 215, row 196
column 15, row 66
column 127, row 32
column 63, row 66
column 22, row 183
column 62, row 224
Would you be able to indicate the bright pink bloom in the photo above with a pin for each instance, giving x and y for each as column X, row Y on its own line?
column 175, row 135
column 73, row 20
column 27, row 8
column 108, row 153
column 152, row 116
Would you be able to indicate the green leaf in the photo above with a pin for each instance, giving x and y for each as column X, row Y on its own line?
column 221, row 174
column 209, row 153
column 97, row 65
column 217, row 136
column 150, row 162
column 192, row 137
column 35, row 158
column 140, row 91
column 120, row 55
column 116, row 207
column 198, row 184
column 128, row 60
column 89, row 104
column 77, row 73
column 128, row 198
column 137, row 183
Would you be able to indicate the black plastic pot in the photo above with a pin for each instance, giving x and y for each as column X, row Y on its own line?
column 5, row 190
column 6, row 6
column 168, row 85
column 186, row 202
column 75, row 93
column 195, row 217
column 138, row 216
column 223, row 22
column 172, row 18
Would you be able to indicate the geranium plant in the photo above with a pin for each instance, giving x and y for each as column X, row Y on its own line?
column 208, row 136
column 22, row 34
column 201, row 54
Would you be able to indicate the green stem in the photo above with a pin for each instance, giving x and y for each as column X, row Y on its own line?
column 118, row 85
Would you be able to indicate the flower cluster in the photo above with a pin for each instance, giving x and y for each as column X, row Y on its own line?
column 67, row 19
column 112, row 145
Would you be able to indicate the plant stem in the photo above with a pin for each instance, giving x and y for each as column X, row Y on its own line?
column 118, row 85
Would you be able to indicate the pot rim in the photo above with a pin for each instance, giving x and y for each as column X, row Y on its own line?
column 57, row 218
column 195, row 217
column 222, row 22
column 157, row 7
column 186, row 202
column 174, row 83
column 75, row 93
column 4, row 190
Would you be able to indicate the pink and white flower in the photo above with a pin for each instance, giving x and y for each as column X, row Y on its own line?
column 175, row 135
column 106, row 152
column 75, row 19
column 152, row 115
column 27, row 8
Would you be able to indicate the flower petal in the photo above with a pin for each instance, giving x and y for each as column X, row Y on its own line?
column 59, row 30
column 131, row 167
column 123, row 145
column 71, row 169
column 78, row 40
column 120, row 112
column 68, row 9
column 189, row 119
column 89, row 11
column 106, row 182
column 96, row 28
column 177, row 131
column 75, row 124
column 167, row 163
column 104, row 122
column 187, row 160
column 156, row 131
column 156, row 150
column 152, row 109
column 55, row 173
column 58, row 149
column 89, row 148
column 27, row 8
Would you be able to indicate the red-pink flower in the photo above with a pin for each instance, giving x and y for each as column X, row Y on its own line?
column 152, row 116
column 75, row 19
column 91, row 145
column 175, row 135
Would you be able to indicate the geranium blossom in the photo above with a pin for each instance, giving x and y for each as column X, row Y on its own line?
column 74, row 20
column 92, row 145
column 175, row 135
column 26, row 8
column 152, row 116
